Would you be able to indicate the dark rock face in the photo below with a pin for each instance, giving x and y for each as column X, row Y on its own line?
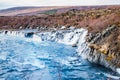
column 6, row 32
column 101, row 49
column 95, row 38
column 29, row 34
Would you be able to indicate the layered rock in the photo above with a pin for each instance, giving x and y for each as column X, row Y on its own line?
column 104, row 48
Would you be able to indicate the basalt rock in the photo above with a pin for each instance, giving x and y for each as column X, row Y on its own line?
column 102, row 50
column 95, row 38
column 29, row 34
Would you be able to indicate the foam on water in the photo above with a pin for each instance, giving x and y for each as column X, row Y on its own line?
column 118, row 70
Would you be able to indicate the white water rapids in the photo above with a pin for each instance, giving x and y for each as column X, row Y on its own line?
column 24, row 55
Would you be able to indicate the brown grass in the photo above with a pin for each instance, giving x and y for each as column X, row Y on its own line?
column 94, row 19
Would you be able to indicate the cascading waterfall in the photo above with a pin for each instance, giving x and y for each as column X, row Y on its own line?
column 13, row 33
column 83, row 48
column 69, row 37
column 29, row 36
column 74, row 37
column 54, row 55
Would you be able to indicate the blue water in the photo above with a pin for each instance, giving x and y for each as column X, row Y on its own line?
column 22, row 59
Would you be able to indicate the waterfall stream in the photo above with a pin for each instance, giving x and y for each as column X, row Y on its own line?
column 27, row 55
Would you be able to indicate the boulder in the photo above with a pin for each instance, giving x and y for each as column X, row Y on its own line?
column 30, row 34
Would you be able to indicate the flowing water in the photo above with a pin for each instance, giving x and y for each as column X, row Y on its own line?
column 27, row 59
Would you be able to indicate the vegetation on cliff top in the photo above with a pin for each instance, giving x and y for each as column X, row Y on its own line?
column 93, row 19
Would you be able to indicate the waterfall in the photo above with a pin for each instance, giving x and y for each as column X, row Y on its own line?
column 13, row 33
column 76, row 37
column 83, row 48
column 72, row 37
column 68, row 37
column 28, row 36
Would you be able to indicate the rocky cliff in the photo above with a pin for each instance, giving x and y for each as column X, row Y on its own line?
column 105, row 47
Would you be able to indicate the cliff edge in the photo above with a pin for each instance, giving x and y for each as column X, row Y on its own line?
column 105, row 47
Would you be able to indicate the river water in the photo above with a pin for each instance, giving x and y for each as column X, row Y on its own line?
column 25, row 59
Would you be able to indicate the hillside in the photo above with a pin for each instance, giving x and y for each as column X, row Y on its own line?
column 22, row 11
column 95, row 19
column 31, row 10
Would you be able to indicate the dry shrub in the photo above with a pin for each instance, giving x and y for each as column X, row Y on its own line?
column 96, row 20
